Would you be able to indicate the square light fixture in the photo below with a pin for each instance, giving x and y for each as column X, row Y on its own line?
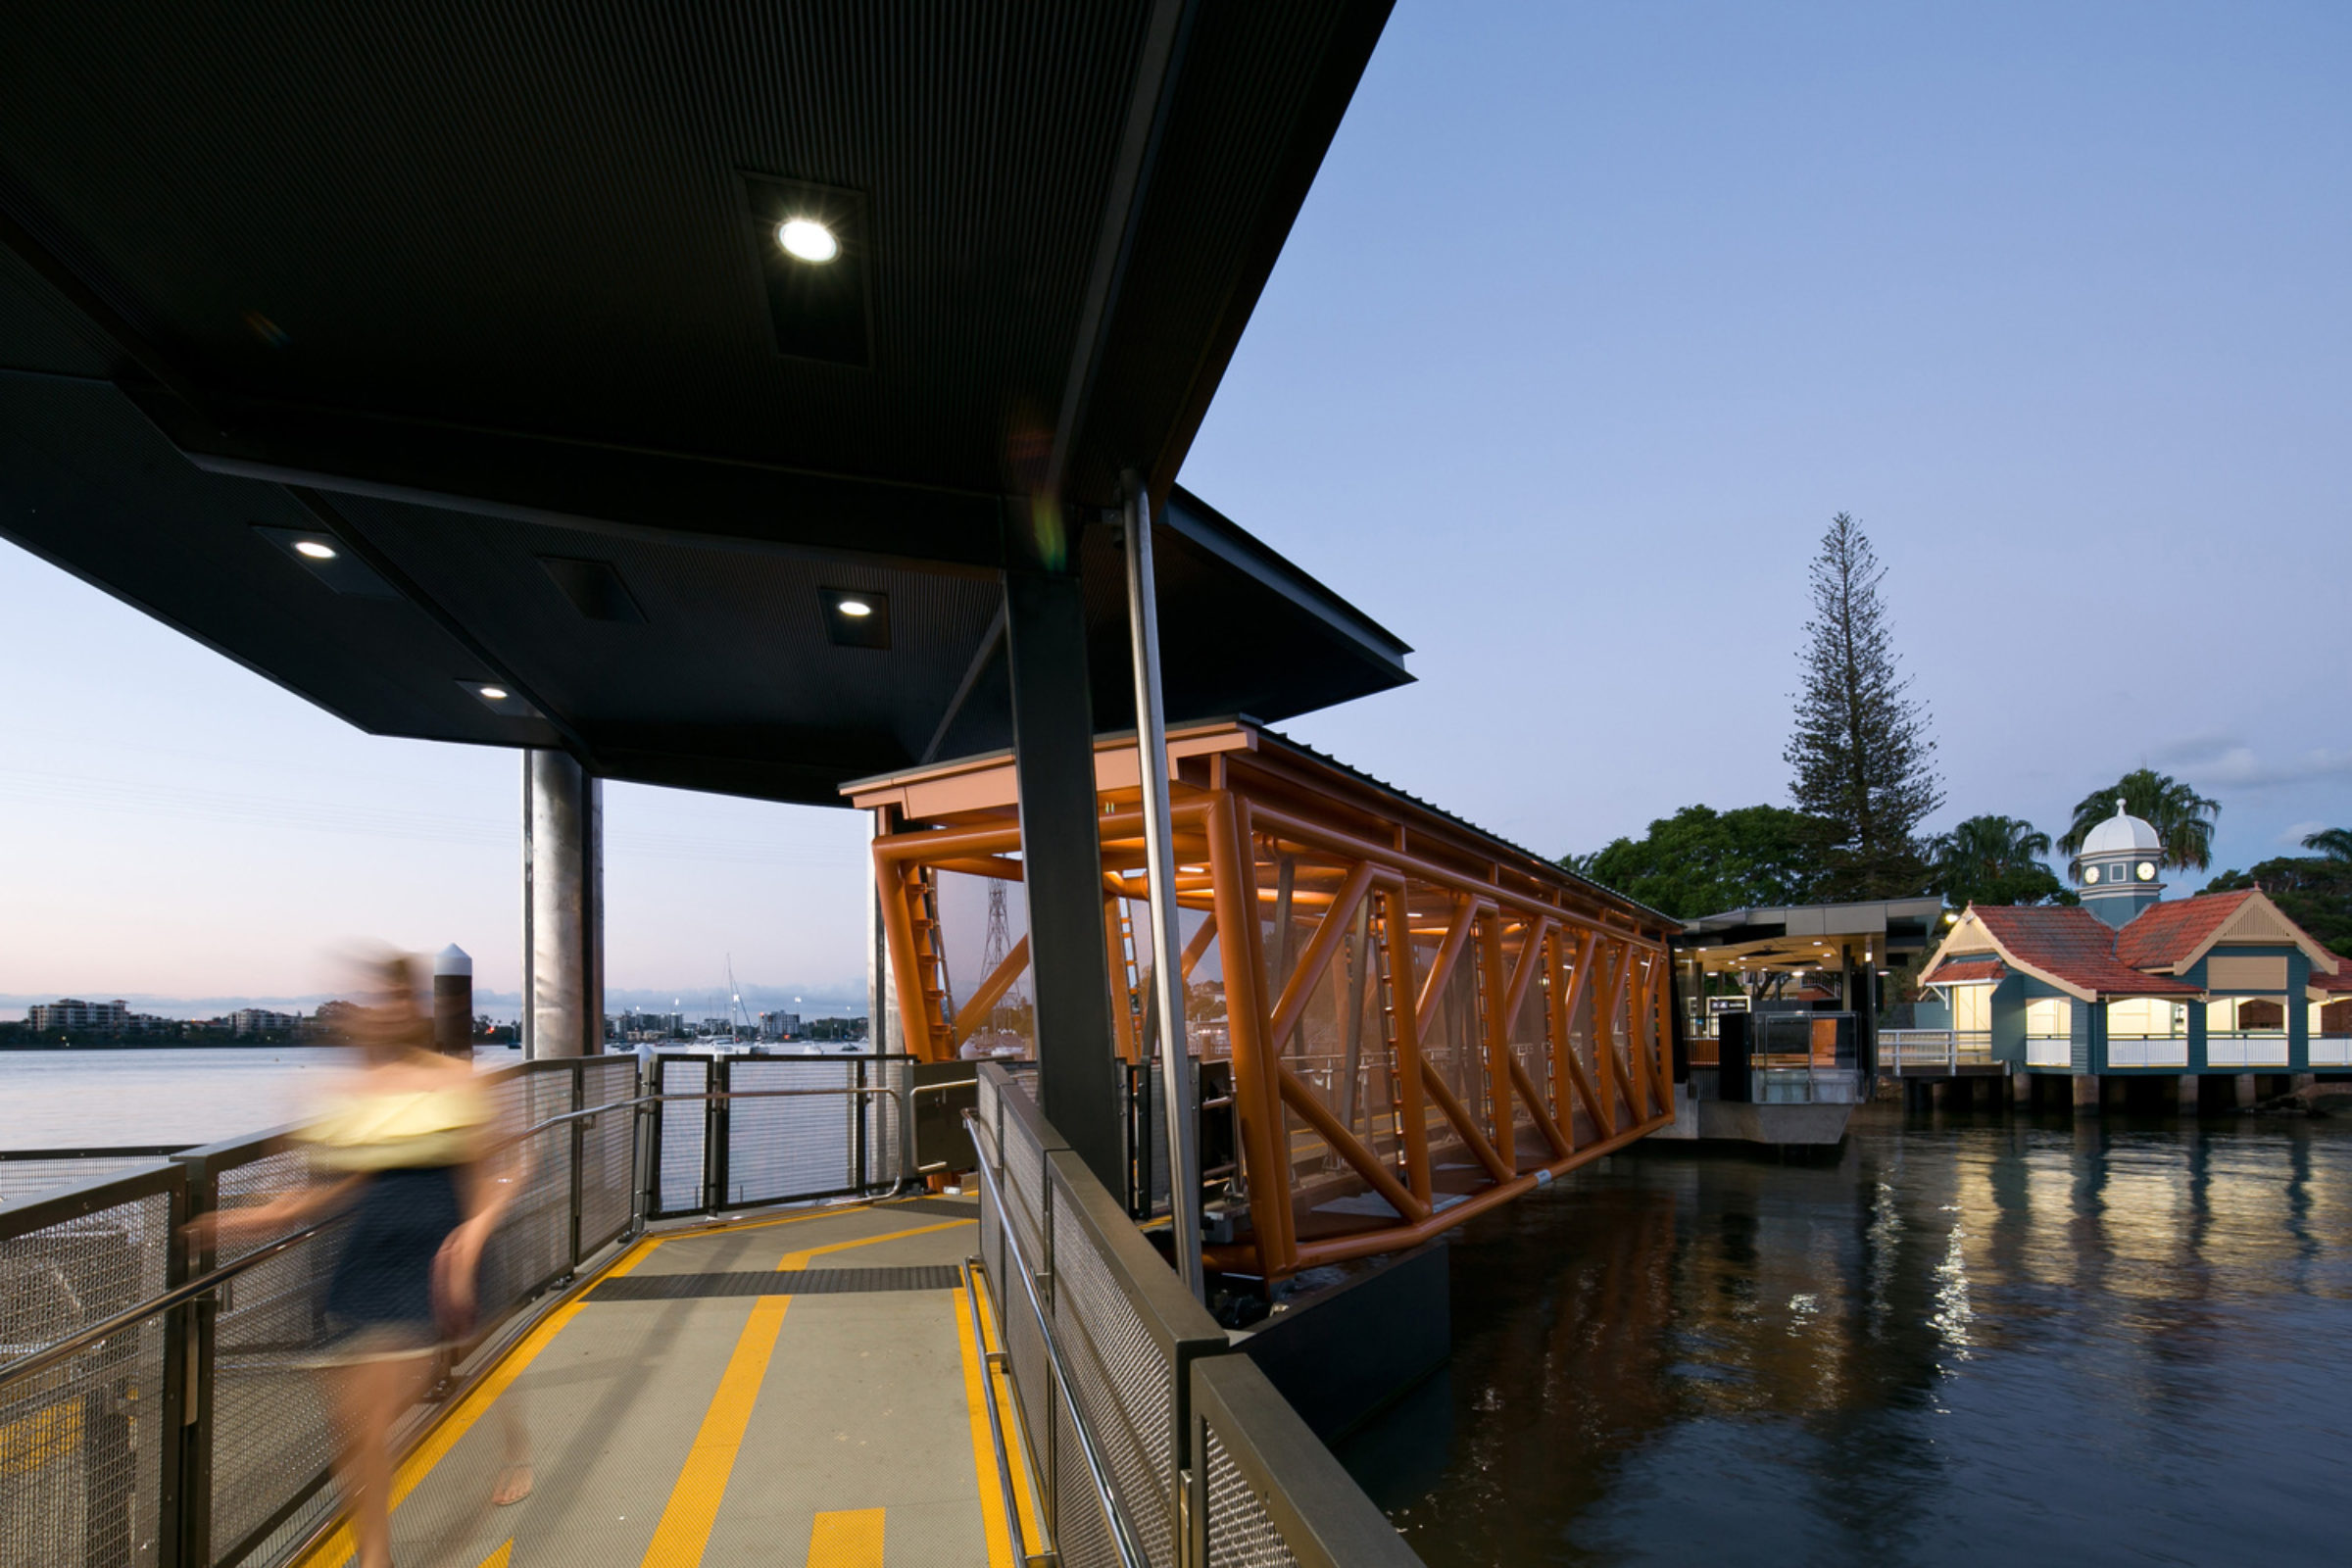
column 811, row 243
column 329, row 560
column 595, row 589
column 856, row 617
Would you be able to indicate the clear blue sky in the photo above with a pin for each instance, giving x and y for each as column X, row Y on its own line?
column 1595, row 315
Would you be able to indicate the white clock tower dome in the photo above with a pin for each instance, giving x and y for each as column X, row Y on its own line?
column 2116, row 870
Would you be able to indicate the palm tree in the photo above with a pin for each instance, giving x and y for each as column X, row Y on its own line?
column 1993, row 859
column 2335, row 842
column 2182, row 818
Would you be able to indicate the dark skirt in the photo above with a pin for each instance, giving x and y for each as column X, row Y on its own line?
column 380, row 1300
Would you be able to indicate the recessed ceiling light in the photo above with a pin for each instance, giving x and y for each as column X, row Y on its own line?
column 314, row 549
column 808, row 240
column 855, row 607
column 495, row 694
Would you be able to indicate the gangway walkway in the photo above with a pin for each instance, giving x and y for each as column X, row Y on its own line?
column 783, row 1391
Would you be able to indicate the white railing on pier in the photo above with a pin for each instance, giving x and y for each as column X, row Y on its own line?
column 2245, row 1049
column 1934, row 1050
column 2146, row 1050
column 2049, row 1050
column 2331, row 1050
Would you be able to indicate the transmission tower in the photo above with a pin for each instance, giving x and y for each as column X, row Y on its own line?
column 998, row 947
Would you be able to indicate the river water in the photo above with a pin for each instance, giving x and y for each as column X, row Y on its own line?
column 1963, row 1340
column 174, row 1095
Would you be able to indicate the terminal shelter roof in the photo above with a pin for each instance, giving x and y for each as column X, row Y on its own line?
column 491, row 302
column 1970, row 971
column 2173, row 936
column 2064, row 945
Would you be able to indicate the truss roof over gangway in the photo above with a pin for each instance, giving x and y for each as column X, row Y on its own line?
column 491, row 305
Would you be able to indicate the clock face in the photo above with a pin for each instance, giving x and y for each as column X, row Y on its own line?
column 2145, row 870
column 2091, row 873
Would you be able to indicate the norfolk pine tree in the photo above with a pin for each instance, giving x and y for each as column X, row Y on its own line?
column 1863, row 760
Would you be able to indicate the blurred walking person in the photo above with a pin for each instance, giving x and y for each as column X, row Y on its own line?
column 407, row 1149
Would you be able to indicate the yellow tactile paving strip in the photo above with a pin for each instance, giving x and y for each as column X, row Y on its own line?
column 771, row 1430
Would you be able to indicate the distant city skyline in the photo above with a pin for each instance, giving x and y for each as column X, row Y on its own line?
column 1593, row 316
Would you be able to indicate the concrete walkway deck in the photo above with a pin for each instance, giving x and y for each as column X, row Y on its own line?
column 677, row 1413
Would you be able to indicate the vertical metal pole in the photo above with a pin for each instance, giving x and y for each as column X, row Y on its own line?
column 881, row 1000
column 1160, row 857
column 562, row 911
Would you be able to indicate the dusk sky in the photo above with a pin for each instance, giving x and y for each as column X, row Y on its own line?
column 1593, row 317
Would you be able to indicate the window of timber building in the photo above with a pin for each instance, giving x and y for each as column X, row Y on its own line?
column 2245, row 1015
column 1972, row 1009
column 2332, row 1017
column 2146, row 1018
column 2050, row 1018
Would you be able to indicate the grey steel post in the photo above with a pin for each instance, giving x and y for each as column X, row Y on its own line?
column 881, row 999
column 1159, row 856
column 562, row 908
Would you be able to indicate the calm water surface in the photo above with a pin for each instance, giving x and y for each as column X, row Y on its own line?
column 1963, row 1342
column 196, row 1095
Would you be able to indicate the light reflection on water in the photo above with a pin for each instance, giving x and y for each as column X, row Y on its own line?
column 1963, row 1341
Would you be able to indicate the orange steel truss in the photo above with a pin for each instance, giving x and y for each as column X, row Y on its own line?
column 1424, row 1021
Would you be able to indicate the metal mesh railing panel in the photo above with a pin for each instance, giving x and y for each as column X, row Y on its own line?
column 678, row 1183
column 798, row 1148
column 1238, row 1531
column 607, row 1151
column 270, row 1424
column 79, row 1442
column 1122, row 1380
column 531, row 1248
column 21, row 1179
column 1082, row 1537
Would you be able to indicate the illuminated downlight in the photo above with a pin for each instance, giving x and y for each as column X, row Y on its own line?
column 808, row 240
column 855, row 607
column 494, row 694
column 314, row 549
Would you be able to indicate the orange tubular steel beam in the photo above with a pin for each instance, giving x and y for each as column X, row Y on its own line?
column 1366, row 1164
column 1194, row 949
column 1566, row 1070
column 1661, row 1018
column 1498, row 1043
column 1390, row 1239
column 1122, row 995
column 898, row 923
column 1464, row 1123
column 1410, row 1112
column 1256, row 1091
column 1432, row 989
column 1310, row 969
column 1604, row 1047
column 1637, row 1091
column 1000, row 981
column 934, row 845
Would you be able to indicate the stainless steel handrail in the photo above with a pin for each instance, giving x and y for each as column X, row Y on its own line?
column 131, row 1317
column 990, row 1360
column 188, row 1290
column 1131, row 1555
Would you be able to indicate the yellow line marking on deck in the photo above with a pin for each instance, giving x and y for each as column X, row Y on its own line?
column 1023, row 1496
column 336, row 1549
column 693, row 1508
column 984, row 1453
column 848, row 1539
column 801, row 1259
column 500, row 1557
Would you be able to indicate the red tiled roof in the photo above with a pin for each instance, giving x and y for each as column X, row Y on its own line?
column 1966, row 971
column 2073, row 944
column 2166, row 933
column 2341, row 981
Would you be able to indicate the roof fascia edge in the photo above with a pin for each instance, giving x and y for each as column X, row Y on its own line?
column 1209, row 530
column 2302, row 939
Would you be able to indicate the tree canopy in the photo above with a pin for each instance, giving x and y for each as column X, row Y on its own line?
column 1862, row 760
column 1993, row 859
column 2182, row 818
column 2335, row 842
column 2314, row 892
column 1702, row 861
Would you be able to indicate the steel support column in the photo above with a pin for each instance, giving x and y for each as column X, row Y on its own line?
column 1160, row 857
column 562, row 908
column 1061, row 864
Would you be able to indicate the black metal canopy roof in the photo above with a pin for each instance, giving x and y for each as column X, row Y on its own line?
column 488, row 301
